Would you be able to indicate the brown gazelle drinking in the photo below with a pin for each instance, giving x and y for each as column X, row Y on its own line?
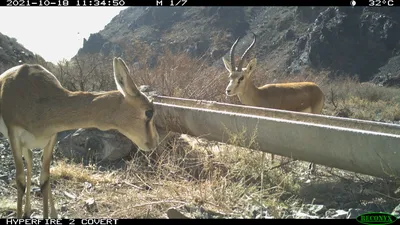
column 34, row 107
column 299, row 96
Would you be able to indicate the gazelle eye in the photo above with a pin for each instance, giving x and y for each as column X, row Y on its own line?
column 149, row 114
column 240, row 79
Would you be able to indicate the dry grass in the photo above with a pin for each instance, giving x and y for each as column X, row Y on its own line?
column 80, row 174
column 221, row 178
column 179, row 75
column 191, row 173
column 224, row 179
column 347, row 97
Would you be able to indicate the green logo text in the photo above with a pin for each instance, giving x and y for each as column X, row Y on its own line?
column 376, row 218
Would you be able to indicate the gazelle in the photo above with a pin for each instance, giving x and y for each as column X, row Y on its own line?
column 299, row 96
column 34, row 107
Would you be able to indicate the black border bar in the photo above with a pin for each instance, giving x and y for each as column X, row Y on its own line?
column 265, row 2
column 98, row 221
column 177, row 3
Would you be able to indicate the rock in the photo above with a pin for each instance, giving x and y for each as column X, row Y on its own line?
column 335, row 214
column 91, row 205
column 93, row 44
column 301, row 215
column 264, row 216
column 396, row 211
column 110, row 48
column 4, row 178
column 69, row 195
column 173, row 213
column 329, row 213
column 284, row 24
column 388, row 75
column 36, row 191
column 96, row 145
column 336, row 30
column 314, row 209
column 372, row 206
column 308, row 14
column 289, row 35
column 260, row 213
column 354, row 213
column 64, row 208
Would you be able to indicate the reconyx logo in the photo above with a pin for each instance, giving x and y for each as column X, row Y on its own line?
column 376, row 218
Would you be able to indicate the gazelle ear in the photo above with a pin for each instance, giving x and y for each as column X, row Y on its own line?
column 123, row 81
column 251, row 66
column 227, row 64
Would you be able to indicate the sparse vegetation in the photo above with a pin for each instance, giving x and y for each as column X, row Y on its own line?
column 88, row 72
column 224, row 179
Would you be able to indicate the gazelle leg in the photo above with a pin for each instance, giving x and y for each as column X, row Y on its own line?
column 45, row 179
column 19, row 168
column 53, row 211
column 27, row 153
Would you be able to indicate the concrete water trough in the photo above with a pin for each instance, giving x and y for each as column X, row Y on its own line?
column 366, row 147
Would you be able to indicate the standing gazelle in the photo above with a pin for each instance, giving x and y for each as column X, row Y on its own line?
column 34, row 107
column 299, row 96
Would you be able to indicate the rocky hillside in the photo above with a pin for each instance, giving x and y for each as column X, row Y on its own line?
column 356, row 41
column 12, row 53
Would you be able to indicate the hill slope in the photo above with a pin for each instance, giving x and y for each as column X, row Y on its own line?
column 13, row 53
column 356, row 41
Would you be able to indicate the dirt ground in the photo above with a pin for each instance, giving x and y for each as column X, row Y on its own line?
column 201, row 180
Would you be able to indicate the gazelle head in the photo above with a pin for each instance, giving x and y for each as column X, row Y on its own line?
column 238, row 76
column 135, row 117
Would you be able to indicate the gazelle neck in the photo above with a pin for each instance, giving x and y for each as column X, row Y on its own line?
column 86, row 110
column 250, row 92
